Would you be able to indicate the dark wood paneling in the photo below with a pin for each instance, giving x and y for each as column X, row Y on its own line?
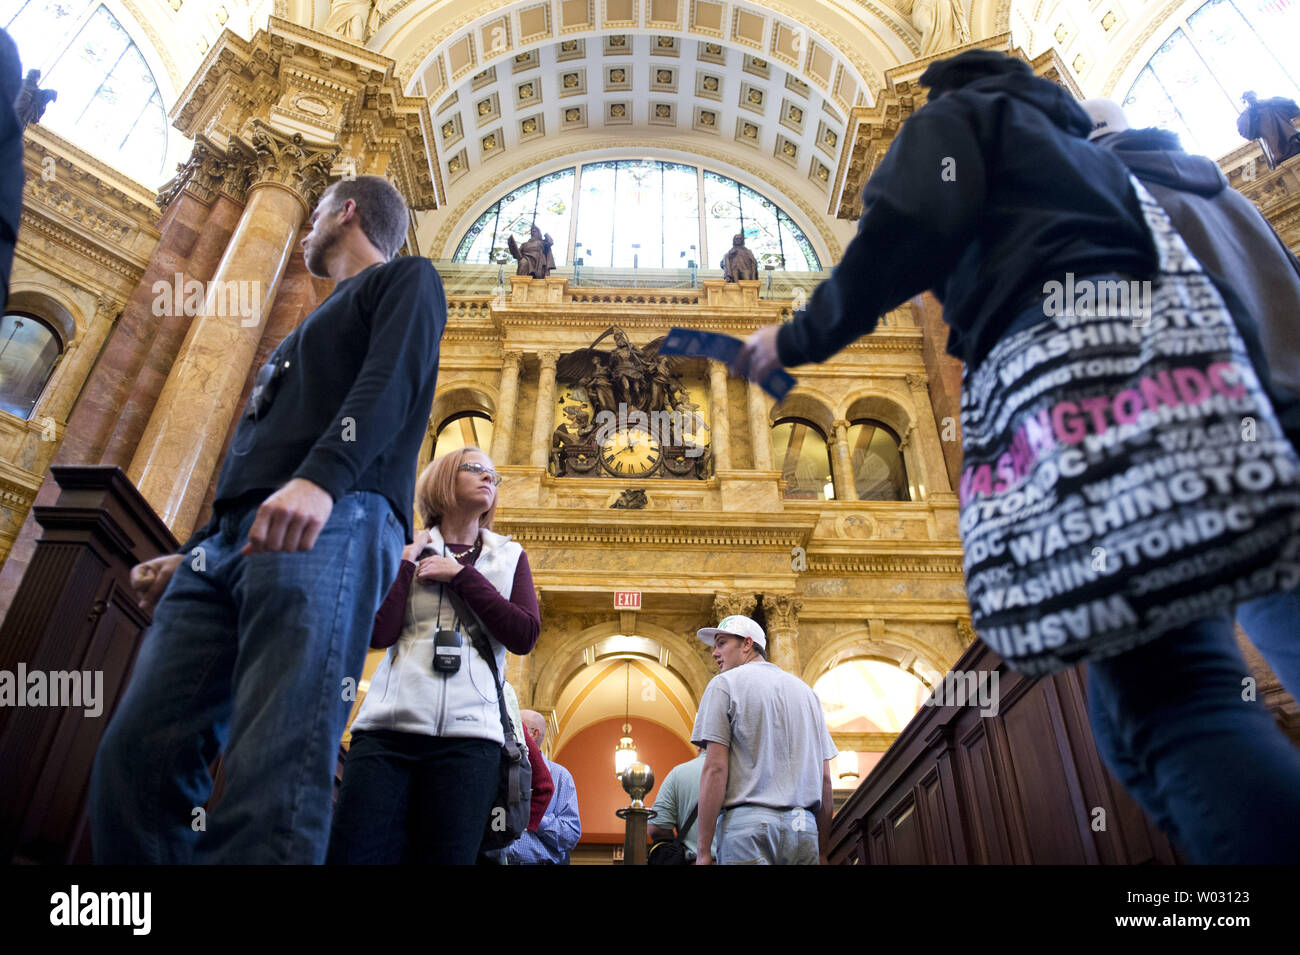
column 1021, row 785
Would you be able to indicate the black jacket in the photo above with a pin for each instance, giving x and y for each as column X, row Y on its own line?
column 11, row 158
column 988, row 192
column 351, row 404
column 1229, row 237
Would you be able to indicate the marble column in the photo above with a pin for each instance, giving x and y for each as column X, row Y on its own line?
column 544, row 422
column 720, row 439
column 927, row 450
column 760, row 429
column 842, row 472
column 503, row 428
column 782, row 611
column 179, row 450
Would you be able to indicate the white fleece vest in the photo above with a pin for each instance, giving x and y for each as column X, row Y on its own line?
column 406, row 694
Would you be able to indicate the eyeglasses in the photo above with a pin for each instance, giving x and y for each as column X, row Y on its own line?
column 480, row 469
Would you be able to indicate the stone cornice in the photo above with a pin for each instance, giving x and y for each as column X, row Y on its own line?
column 769, row 532
column 56, row 228
column 892, row 558
column 102, row 186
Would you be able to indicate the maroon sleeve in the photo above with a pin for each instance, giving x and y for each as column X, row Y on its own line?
column 388, row 621
column 516, row 622
column 543, row 785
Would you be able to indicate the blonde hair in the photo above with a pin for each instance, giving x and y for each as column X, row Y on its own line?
column 435, row 488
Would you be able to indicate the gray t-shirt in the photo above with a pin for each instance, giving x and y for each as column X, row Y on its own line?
column 678, row 794
column 773, row 724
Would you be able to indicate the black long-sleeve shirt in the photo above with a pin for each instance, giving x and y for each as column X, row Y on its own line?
column 351, row 404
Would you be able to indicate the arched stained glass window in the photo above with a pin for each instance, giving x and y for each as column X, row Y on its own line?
column 801, row 453
column 1194, row 82
column 108, row 102
column 878, row 472
column 651, row 213
column 29, row 350
column 468, row 429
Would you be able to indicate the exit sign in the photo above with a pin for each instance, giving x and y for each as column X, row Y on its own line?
column 627, row 600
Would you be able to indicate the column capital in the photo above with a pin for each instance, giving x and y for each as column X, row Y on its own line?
column 726, row 604
column 511, row 358
column 916, row 381
column 548, row 358
column 782, row 612
column 841, row 426
column 284, row 160
column 328, row 91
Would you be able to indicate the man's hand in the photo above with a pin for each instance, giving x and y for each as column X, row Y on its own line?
column 704, row 857
column 437, row 569
column 150, row 579
column 757, row 358
column 412, row 550
column 290, row 520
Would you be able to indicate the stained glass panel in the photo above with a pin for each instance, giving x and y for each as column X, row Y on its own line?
column 1277, row 23
column 721, row 215
column 41, row 30
column 681, row 216
column 555, row 210
column 640, row 220
column 1237, row 56
column 595, row 237
column 762, row 233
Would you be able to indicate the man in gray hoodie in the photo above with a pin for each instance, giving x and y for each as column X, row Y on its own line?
column 1236, row 244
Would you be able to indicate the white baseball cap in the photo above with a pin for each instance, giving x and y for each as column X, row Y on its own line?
column 1106, row 115
column 737, row 625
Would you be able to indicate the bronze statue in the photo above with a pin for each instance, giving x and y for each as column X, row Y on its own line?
column 739, row 263
column 1270, row 122
column 534, row 256
column 31, row 100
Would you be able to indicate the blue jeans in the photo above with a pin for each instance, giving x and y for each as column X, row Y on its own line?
column 412, row 798
column 756, row 835
column 258, row 656
column 1212, row 769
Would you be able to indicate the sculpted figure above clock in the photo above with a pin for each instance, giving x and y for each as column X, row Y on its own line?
column 629, row 412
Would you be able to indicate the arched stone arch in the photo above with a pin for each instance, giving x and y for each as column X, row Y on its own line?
column 894, row 647
column 459, row 395
column 807, row 403
column 58, row 310
column 886, row 409
column 684, row 660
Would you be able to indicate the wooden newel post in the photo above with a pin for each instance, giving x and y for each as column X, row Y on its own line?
column 638, row 779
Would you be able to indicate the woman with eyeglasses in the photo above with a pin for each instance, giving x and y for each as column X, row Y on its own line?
column 423, row 768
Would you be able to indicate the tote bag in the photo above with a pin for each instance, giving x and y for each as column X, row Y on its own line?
column 1124, row 472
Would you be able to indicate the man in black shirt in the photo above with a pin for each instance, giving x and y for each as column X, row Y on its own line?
column 263, row 619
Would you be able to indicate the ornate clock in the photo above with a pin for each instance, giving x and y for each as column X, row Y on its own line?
column 630, row 452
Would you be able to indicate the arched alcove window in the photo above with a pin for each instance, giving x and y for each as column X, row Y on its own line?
column 878, row 470
column 108, row 102
column 29, row 350
column 803, row 456
column 664, row 214
column 1194, row 82
column 468, row 429
column 866, row 696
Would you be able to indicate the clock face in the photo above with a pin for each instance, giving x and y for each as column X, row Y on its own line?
column 630, row 452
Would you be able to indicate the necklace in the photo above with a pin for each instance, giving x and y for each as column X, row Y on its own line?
column 469, row 550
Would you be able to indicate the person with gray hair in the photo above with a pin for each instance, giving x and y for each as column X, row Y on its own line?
column 561, row 826
column 261, row 621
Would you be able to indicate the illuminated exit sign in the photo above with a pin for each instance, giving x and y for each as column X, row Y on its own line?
column 627, row 600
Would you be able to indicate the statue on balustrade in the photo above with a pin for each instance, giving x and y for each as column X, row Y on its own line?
column 31, row 100
column 534, row 256
column 739, row 264
column 941, row 23
column 1270, row 122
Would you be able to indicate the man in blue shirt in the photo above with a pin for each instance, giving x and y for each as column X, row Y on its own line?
column 560, row 828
